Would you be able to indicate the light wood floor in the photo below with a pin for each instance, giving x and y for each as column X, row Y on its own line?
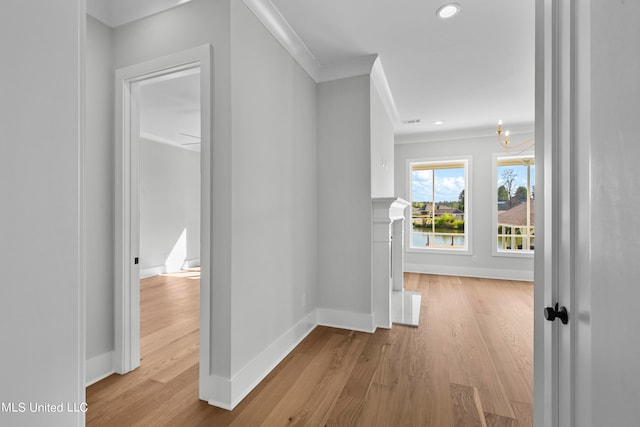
column 469, row 363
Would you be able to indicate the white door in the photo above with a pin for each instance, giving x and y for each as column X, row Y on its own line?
column 553, row 265
column 591, row 256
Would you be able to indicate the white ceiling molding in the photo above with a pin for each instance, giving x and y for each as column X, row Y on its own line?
column 470, row 133
column 353, row 67
column 273, row 20
column 115, row 13
column 380, row 81
column 278, row 26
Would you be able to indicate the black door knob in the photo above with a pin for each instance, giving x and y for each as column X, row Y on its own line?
column 553, row 313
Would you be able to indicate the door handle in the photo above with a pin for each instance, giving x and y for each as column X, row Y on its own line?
column 553, row 313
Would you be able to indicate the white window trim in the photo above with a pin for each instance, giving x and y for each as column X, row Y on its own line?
column 468, row 206
column 494, row 215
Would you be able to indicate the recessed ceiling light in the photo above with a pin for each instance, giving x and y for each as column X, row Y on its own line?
column 448, row 10
column 438, row 123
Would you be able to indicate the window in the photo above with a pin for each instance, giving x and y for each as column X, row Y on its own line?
column 438, row 209
column 515, row 195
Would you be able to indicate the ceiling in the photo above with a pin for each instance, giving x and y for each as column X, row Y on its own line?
column 170, row 110
column 468, row 71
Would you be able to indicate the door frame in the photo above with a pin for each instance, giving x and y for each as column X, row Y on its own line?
column 127, row 288
column 559, row 35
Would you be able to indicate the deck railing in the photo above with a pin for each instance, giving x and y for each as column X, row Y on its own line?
column 515, row 237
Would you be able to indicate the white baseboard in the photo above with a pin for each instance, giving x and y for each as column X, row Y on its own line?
column 98, row 368
column 152, row 271
column 161, row 269
column 346, row 320
column 220, row 390
column 485, row 273
column 191, row 263
column 227, row 394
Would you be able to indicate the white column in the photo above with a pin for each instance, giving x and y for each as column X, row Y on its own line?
column 387, row 255
column 397, row 260
column 381, row 271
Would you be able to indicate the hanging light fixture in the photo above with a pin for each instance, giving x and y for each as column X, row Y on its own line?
column 505, row 142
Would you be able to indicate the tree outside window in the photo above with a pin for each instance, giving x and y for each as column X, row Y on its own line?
column 515, row 207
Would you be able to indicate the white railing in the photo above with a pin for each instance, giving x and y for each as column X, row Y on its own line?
column 515, row 237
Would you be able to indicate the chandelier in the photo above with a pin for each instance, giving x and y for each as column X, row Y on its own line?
column 508, row 146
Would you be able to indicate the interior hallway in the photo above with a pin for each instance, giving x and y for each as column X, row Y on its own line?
column 469, row 363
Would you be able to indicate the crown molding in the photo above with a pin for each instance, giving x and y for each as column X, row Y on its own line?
column 274, row 22
column 116, row 13
column 381, row 84
column 277, row 25
column 357, row 66
column 457, row 134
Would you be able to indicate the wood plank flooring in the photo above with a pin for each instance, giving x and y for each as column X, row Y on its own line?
column 469, row 363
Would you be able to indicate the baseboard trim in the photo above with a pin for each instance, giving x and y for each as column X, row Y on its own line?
column 221, row 390
column 98, row 368
column 485, row 273
column 161, row 269
column 228, row 393
column 152, row 271
column 362, row 322
column 192, row 263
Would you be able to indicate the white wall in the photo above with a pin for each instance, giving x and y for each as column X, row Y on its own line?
column 344, row 202
column 41, row 117
column 481, row 150
column 382, row 149
column 604, row 311
column 169, row 207
column 274, row 184
column 98, row 199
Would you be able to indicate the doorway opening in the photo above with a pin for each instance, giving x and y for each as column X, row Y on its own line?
column 169, row 219
column 163, row 215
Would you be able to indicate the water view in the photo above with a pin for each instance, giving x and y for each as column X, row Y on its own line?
column 420, row 239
